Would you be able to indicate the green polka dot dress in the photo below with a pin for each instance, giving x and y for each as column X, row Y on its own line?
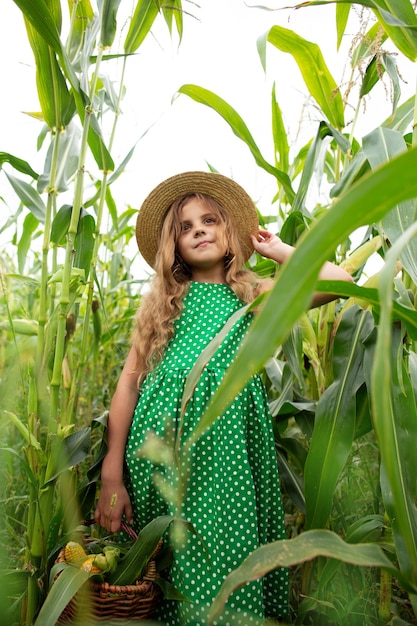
column 233, row 496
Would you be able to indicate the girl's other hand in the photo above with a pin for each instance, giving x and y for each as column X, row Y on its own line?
column 271, row 246
column 113, row 503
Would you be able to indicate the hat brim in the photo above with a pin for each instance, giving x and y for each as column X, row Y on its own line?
column 229, row 194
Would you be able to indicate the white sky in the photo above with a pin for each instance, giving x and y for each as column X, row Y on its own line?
column 219, row 53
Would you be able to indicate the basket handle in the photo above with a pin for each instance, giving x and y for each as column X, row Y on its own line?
column 124, row 526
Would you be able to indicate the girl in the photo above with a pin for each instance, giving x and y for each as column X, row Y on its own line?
column 197, row 230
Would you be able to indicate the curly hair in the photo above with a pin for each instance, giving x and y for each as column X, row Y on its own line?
column 162, row 304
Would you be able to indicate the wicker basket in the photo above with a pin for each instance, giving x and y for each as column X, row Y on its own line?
column 114, row 602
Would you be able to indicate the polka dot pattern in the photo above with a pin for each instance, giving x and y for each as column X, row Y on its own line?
column 233, row 498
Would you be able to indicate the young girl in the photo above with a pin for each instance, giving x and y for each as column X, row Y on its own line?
column 197, row 230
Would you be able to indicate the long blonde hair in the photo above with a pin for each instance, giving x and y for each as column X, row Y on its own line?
column 162, row 305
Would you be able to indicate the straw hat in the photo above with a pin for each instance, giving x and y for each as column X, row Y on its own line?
column 224, row 190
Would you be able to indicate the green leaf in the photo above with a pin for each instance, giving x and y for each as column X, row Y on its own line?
column 66, row 585
column 402, row 117
column 366, row 46
column 84, row 242
column 60, row 225
column 67, row 157
column 279, row 135
column 80, row 22
column 73, row 450
column 205, row 356
column 335, row 423
column 18, row 164
column 290, row 552
column 133, row 564
column 238, row 126
column 342, row 16
column 394, row 415
column 397, row 18
column 170, row 591
column 42, row 20
column 57, row 102
column 173, row 10
column 108, row 22
column 28, row 196
column 142, row 20
column 371, row 77
column 314, row 70
column 30, row 225
column 311, row 162
column 380, row 146
column 364, row 203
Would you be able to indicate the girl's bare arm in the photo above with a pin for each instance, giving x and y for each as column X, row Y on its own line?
column 113, row 500
column 272, row 247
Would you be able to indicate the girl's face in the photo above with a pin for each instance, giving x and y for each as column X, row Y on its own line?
column 202, row 242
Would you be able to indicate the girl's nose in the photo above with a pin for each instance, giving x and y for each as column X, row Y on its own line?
column 198, row 231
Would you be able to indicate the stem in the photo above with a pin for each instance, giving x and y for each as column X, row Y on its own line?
column 69, row 252
column 75, row 387
column 43, row 296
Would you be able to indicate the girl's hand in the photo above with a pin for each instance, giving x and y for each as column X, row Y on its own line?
column 271, row 246
column 113, row 502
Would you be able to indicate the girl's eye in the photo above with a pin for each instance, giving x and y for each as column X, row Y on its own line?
column 185, row 227
column 210, row 220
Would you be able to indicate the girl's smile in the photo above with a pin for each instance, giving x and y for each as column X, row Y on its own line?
column 202, row 244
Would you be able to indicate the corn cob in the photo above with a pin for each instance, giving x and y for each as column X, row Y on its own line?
column 89, row 565
column 74, row 552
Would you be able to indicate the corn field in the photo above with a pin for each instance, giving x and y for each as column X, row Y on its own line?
column 341, row 379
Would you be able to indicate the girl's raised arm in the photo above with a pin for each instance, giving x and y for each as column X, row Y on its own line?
column 114, row 500
column 272, row 247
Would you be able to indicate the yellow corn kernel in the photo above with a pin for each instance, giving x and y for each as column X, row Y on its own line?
column 89, row 566
column 74, row 552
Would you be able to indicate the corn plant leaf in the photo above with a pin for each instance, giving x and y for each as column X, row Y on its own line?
column 402, row 117
column 170, row 591
column 30, row 225
column 290, row 482
column 84, row 242
column 279, row 135
column 394, row 414
column 134, row 562
column 290, row 552
column 66, row 156
column 342, row 16
column 57, row 102
column 316, row 75
column 364, row 203
column 397, row 18
column 66, row 585
column 239, row 128
column 390, row 65
column 205, row 356
column 335, row 423
column 312, row 161
column 25, row 467
column 28, row 196
column 60, row 225
column 108, row 29
column 42, row 19
column 371, row 77
column 366, row 46
column 72, row 450
column 143, row 18
column 19, row 164
column 173, row 11
column 406, row 314
column 380, row 146
column 80, row 21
